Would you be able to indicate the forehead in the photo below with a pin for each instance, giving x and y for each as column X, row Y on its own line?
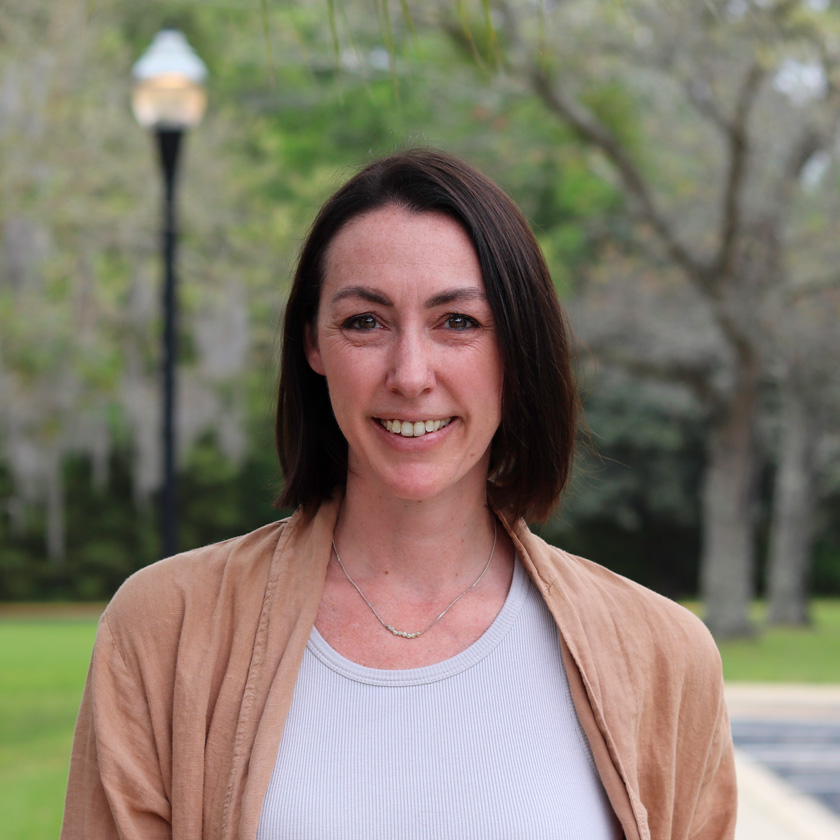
column 392, row 241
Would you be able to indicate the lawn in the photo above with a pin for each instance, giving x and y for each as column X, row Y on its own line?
column 786, row 655
column 43, row 662
column 44, row 655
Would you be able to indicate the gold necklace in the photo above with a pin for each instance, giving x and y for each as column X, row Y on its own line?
column 402, row 633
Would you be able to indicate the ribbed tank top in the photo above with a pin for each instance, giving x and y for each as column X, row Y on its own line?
column 484, row 745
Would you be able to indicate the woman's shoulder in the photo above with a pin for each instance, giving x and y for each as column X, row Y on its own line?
column 613, row 609
column 195, row 581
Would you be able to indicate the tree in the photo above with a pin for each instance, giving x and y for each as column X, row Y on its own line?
column 732, row 102
column 807, row 345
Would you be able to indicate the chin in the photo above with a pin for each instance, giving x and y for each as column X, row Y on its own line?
column 424, row 488
column 415, row 492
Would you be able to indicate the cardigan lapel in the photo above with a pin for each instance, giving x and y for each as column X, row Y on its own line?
column 289, row 608
column 533, row 553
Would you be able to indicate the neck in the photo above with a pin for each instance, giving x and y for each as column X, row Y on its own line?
column 424, row 546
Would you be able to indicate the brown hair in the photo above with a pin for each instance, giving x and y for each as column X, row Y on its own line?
column 532, row 450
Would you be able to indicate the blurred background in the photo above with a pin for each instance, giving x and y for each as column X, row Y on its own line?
column 678, row 161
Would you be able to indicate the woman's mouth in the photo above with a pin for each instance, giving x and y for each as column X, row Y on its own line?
column 409, row 428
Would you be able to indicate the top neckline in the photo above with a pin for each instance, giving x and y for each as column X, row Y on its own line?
column 478, row 650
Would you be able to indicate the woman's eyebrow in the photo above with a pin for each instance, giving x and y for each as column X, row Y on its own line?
column 363, row 292
column 370, row 295
column 455, row 295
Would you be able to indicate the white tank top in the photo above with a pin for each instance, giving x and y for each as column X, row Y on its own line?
column 484, row 745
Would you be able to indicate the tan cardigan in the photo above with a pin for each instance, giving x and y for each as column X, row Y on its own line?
column 196, row 659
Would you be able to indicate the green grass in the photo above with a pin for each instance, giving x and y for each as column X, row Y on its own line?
column 44, row 655
column 785, row 654
column 43, row 663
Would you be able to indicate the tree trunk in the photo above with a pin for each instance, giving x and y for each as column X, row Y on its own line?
column 56, row 544
column 729, row 488
column 791, row 531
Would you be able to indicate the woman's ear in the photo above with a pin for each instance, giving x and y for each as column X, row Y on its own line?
column 313, row 354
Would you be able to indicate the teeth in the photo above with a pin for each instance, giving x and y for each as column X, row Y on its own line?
column 408, row 429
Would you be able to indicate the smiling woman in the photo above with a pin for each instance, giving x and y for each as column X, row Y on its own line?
column 533, row 445
column 403, row 658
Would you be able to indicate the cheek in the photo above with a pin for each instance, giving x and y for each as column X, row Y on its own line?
column 487, row 376
column 350, row 380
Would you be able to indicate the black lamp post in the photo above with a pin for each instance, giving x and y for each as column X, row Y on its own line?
column 169, row 99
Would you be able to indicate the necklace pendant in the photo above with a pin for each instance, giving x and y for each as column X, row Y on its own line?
column 401, row 632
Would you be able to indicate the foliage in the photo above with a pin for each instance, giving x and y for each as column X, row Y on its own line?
column 298, row 99
column 109, row 536
column 633, row 504
column 826, row 569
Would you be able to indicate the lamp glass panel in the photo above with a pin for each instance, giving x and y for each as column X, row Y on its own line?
column 169, row 101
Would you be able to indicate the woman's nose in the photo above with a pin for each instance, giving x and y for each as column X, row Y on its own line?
column 410, row 368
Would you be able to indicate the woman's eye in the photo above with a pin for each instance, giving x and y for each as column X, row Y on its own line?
column 362, row 322
column 460, row 322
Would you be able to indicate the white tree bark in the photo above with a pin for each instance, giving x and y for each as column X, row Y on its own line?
column 792, row 529
column 727, row 561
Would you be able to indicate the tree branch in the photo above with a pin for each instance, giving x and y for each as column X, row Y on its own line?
column 812, row 286
column 738, row 152
column 696, row 377
column 698, row 95
column 811, row 140
column 594, row 133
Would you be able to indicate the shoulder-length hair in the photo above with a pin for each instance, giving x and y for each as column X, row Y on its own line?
column 531, row 452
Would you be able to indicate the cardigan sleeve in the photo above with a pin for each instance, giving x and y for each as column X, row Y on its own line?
column 714, row 818
column 116, row 787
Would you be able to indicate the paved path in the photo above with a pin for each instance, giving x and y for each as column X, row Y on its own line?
column 806, row 754
column 788, row 754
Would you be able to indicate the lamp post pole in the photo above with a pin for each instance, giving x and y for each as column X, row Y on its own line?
column 169, row 98
column 169, row 144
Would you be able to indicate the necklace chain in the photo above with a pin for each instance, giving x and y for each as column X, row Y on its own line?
column 402, row 633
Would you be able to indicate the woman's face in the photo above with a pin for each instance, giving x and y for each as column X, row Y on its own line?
column 406, row 339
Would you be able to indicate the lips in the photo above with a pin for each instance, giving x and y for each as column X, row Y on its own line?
column 413, row 428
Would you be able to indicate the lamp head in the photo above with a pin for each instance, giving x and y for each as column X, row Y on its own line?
column 169, row 91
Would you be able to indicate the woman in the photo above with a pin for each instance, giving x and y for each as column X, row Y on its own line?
column 403, row 658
